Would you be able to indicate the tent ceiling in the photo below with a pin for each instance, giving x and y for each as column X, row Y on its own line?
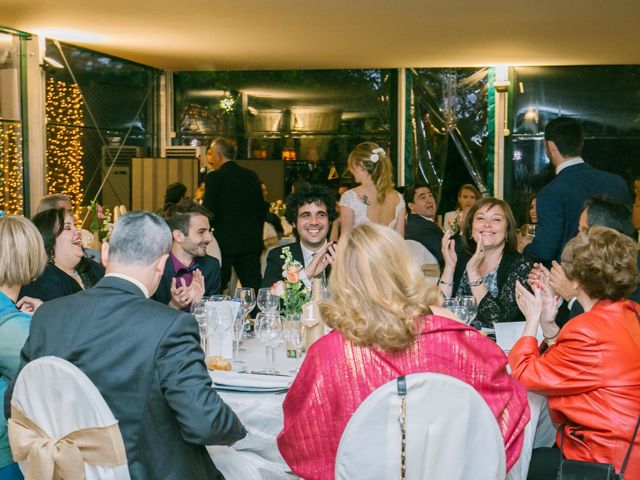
column 304, row 34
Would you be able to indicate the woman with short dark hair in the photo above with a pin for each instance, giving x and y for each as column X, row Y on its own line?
column 591, row 369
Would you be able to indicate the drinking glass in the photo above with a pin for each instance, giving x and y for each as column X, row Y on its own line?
column 450, row 302
column 201, row 318
column 269, row 332
column 238, row 332
column 267, row 302
column 468, row 304
column 219, row 321
column 294, row 335
column 247, row 298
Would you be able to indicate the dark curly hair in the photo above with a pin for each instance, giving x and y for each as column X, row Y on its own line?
column 306, row 195
column 50, row 224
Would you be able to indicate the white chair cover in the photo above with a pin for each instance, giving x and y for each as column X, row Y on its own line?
column 423, row 257
column 58, row 397
column 451, row 433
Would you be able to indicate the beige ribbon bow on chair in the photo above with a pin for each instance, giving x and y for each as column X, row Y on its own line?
column 63, row 458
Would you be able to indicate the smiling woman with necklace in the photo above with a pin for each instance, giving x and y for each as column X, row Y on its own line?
column 68, row 270
column 489, row 265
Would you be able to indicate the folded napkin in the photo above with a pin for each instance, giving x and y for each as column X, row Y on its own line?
column 234, row 379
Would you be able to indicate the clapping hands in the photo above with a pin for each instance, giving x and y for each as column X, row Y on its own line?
column 183, row 296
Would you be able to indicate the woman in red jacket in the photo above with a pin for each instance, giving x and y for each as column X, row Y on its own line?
column 591, row 370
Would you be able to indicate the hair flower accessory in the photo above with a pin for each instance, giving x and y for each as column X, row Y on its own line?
column 376, row 153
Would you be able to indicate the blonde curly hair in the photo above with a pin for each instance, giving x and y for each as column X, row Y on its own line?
column 377, row 291
column 380, row 170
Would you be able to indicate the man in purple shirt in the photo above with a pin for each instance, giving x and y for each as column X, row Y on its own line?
column 189, row 273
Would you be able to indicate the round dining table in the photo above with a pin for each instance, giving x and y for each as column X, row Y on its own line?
column 256, row 457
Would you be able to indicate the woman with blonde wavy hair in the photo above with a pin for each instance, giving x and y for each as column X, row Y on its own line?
column 374, row 200
column 386, row 324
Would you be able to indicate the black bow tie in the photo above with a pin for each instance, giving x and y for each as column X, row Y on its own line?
column 184, row 271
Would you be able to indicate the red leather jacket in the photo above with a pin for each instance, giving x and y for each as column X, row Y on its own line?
column 591, row 376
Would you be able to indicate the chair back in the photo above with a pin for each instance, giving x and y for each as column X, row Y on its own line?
column 424, row 259
column 450, row 433
column 60, row 399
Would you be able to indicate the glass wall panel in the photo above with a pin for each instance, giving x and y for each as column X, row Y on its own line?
column 11, row 159
column 100, row 114
column 309, row 119
column 450, row 135
column 604, row 98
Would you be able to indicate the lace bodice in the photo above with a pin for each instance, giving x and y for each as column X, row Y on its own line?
column 351, row 200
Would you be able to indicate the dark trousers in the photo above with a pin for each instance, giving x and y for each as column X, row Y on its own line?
column 545, row 463
column 247, row 266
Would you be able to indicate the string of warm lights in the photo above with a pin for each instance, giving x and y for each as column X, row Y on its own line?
column 11, row 198
column 65, row 171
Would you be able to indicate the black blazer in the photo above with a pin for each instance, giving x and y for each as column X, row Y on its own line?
column 234, row 196
column 54, row 283
column 273, row 272
column 146, row 361
column 503, row 308
column 427, row 233
column 560, row 203
column 208, row 266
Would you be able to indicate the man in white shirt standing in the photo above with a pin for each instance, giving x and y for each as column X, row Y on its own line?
column 421, row 226
column 311, row 210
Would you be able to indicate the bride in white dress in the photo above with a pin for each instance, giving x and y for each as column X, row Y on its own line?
column 374, row 200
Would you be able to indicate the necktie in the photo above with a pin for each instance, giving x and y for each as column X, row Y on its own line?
column 184, row 271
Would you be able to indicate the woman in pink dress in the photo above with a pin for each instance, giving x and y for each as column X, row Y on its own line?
column 386, row 325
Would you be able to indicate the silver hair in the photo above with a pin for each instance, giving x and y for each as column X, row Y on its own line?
column 140, row 238
column 51, row 201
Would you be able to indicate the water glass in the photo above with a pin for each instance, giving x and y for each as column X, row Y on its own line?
column 294, row 335
column 201, row 318
column 469, row 306
column 219, row 320
column 269, row 332
column 247, row 298
column 238, row 331
column 267, row 302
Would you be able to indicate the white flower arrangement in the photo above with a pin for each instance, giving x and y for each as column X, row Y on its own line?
column 376, row 153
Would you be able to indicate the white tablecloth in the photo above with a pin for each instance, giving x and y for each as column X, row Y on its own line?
column 256, row 457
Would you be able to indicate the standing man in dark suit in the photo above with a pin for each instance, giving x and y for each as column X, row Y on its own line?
column 559, row 204
column 144, row 357
column 310, row 209
column 190, row 273
column 233, row 195
column 421, row 226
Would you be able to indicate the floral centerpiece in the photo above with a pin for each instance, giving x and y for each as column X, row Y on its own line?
column 101, row 224
column 278, row 207
column 292, row 291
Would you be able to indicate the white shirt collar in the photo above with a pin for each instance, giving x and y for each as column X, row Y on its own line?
column 138, row 284
column 308, row 254
column 426, row 218
column 569, row 163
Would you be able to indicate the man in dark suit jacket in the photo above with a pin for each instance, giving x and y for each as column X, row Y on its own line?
column 144, row 357
column 233, row 195
column 190, row 273
column 310, row 209
column 559, row 204
column 420, row 224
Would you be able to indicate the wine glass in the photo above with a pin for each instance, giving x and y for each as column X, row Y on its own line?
column 450, row 302
column 201, row 318
column 267, row 302
column 468, row 304
column 247, row 298
column 238, row 331
column 269, row 332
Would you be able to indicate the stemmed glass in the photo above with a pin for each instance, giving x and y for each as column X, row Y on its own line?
column 219, row 321
column 238, row 331
column 268, row 302
column 269, row 332
column 247, row 298
column 197, row 310
column 470, row 308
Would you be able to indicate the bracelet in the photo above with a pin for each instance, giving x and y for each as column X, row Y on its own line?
column 448, row 284
column 548, row 339
column 476, row 283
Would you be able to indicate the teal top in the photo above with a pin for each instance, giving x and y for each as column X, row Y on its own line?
column 14, row 329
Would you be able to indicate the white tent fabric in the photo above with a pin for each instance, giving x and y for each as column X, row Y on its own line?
column 451, row 433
